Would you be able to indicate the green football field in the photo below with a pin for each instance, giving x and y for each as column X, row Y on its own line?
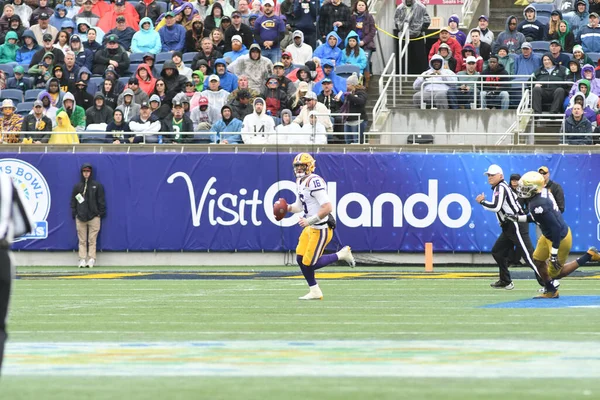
column 242, row 333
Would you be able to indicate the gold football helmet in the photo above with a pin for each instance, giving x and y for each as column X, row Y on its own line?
column 530, row 184
column 304, row 165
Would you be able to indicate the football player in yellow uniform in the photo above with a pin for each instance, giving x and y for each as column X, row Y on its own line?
column 313, row 201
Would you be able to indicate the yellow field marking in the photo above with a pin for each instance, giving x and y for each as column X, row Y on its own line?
column 106, row 276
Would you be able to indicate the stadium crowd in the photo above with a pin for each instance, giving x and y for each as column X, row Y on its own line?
column 556, row 43
column 184, row 72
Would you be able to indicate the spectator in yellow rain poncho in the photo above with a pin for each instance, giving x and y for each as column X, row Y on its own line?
column 67, row 134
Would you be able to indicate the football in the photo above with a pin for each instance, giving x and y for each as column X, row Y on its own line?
column 280, row 208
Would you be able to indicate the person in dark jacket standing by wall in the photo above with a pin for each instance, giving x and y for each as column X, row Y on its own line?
column 15, row 220
column 504, row 204
column 355, row 102
column 88, row 207
column 554, row 188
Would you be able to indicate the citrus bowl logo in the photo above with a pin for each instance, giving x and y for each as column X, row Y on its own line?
column 35, row 189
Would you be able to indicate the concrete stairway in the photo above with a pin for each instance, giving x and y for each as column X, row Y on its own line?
column 499, row 11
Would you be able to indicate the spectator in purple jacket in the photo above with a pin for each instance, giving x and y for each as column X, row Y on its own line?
column 269, row 31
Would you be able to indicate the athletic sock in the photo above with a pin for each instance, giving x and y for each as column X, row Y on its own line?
column 584, row 259
column 550, row 287
column 307, row 271
column 325, row 260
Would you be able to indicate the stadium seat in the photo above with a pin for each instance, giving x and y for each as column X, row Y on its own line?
column 98, row 80
column 163, row 6
column 16, row 95
column 594, row 56
column 32, row 94
column 24, row 108
column 570, row 55
column 93, row 137
column 188, row 57
column 137, row 58
column 124, row 80
column 8, row 70
column 543, row 18
column 540, row 45
column 133, row 68
column 346, row 70
column 162, row 57
column 547, row 7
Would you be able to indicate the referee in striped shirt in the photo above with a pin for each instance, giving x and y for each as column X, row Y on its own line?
column 15, row 220
column 505, row 203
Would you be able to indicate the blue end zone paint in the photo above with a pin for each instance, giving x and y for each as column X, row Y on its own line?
column 562, row 302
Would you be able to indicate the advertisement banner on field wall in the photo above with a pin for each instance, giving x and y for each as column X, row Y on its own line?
column 223, row 202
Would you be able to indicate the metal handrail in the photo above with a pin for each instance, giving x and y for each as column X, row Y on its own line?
column 381, row 104
column 403, row 47
column 468, row 11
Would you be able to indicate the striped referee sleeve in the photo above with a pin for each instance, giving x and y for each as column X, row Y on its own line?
column 15, row 217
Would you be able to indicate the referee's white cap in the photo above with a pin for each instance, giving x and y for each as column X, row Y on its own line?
column 494, row 170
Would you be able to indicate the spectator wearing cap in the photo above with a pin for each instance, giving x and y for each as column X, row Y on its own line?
column 527, row 62
column 548, row 72
column 510, row 37
column 179, row 124
column 8, row 51
column 256, row 67
column 146, row 40
column 258, row 126
column 300, row 51
column 123, row 32
column 172, row 35
column 10, row 122
column 36, row 14
column 276, row 98
column 139, row 95
column 469, row 51
column 237, row 49
column 109, row 20
column 128, row 105
column 462, row 95
column 553, row 187
column 217, row 97
column 145, row 126
column 148, row 9
column 494, row 94
column 288, row 62
column 578, row 18
column 339, row 83
column 284, row 82
column 557, row 55
column 30, row 47
column 311, row 104
column 564, row 35
column 328, row 97
column 36, row 121
column 456, row 33
column 530, row 27
column 43, row 28
column 269, row 31
column 226, row 130
column 589, row 35
column 17, row 81
column 329, row 50
column 200, row 117
column 455, row 47
column 111, row 54
column 486, row 35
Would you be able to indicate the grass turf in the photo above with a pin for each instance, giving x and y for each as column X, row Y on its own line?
column 267, row 309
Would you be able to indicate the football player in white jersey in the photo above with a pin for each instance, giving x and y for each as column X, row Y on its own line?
column 318, row 223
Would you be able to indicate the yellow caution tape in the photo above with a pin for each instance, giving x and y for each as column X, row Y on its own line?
column 418, row 38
